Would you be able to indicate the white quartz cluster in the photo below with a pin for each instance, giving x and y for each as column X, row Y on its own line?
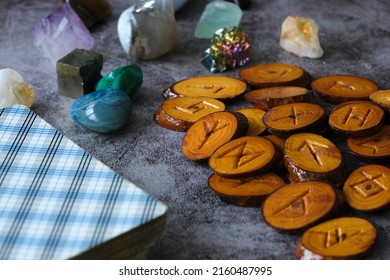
column 13, row 89
column 299, row 35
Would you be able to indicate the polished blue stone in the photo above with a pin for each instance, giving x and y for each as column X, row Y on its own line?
column 104, row 110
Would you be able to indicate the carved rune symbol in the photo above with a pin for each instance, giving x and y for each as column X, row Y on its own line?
column 313, row 147
column 240, row 155
column 298, row 205
column 341, row 85
column 210, row 129
column 277, row 73
column 336, row 236
column 369, row 186
column 293, row 116
column 372, row 143
column 195, row 108
column 210, row 87
column 352, row 115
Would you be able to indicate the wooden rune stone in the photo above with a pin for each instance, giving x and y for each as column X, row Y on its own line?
column 181, row 113
column 286, row 120
column 223, row 88
column 297, row 206
column 212, row 131
column 267, row 98
column 255, row 118
column 357, row 118
column 337, row 239
column 248, row 192
column 243, row 157
column 374, row 147
column 277, row 141
column 337, row 89
column 272, row 75
column 368, row 188
column 308, row 156
column 382, row 98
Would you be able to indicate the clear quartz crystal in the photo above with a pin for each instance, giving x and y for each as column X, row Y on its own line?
column 299, row 35
column 148, row 29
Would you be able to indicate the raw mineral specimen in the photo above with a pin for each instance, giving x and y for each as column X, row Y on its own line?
column 244, row 4
column 128, row 79
column 299, row 35
column 231, row 48
column 178, row 4
column 148, row 29
column 91, row 11
column 78, row 72
column 61, row 32
column 217, row 15
column 13, row 90
column 104, row 110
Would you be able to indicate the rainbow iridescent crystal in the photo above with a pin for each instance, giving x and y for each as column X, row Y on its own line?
column 231, row 48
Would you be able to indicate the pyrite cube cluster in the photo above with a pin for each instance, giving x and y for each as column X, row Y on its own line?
column 78, row 72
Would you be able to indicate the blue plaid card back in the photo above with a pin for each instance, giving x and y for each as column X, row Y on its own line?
column 56, row 200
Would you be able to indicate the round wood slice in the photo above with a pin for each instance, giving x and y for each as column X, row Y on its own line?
column 337, row 89
column 249, row 192
column 357, row 118
column 255, row 118
column 212, row 131
column 272, row 75
column 382, row 98
column 299, row 205
column 374, row 147
column 223, row 88
column 277, row 141
column 279, row 145
column 267, row 98
column 180, row 113
column 286, row 120
column 244, row 157
column 368, row 188
column 308, row 156
column 337, row 239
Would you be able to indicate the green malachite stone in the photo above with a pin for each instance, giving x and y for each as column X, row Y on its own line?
column 91, row 12
column 128, row 79
column 78, row 72
column 217, row 15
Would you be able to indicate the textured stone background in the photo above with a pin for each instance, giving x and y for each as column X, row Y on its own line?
column 355, row 36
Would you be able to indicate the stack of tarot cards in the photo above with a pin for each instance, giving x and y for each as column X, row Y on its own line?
column 59, row 202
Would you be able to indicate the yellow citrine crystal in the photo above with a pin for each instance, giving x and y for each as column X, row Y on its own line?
column 13, row 90
column 24, row 94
